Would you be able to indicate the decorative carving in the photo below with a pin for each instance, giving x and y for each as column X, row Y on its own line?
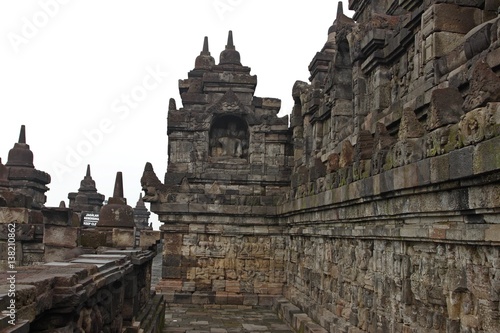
column 171, row 105
column 151, row 185
column 484, row 86
column 410, row 127
column 408, row 151
column 436, row 141
column 382, row 142
column 492, row 119
column 229, row 103
column 364, row 145
column 332, row 163
column 347, row 154
column 472, row 127
column 445, row 108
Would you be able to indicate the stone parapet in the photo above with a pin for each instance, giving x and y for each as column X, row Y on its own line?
column 107, row 291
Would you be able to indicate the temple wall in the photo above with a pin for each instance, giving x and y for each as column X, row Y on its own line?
column 394, row 225
column 227, row 264
column 386, row 285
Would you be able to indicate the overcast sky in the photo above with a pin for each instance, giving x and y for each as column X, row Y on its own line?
column 91, row 80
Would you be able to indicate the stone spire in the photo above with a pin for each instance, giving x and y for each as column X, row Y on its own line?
column 22, row 175
column 87, row 199
column 230, row 56
column 20, row 154
column 204, row 60
column 141, row 214
column 319, row 65
column 87, row 184
column 340, row 19
column 118, row 190
column 116, row 213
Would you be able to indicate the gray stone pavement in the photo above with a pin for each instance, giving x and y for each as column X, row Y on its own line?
column 222, row 319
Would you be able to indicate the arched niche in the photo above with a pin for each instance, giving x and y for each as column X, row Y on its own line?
column 229, row 138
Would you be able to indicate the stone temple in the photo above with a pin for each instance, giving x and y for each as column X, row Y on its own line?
column 374, row 207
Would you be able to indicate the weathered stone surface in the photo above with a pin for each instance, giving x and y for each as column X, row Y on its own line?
column 123, row 238
column 93, row 238
column 446, row 108
column 484, row 86
column 63, row 236
column 376, row 210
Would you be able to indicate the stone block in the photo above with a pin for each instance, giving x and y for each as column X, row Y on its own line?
column 14, row 215
column 234, row 299
column 437, row 233
column 423, row 172
column 63, row 236
column 250, row 299
column 172, row 243
column 214, row 208
column 492, row 233
column 461, row 163
column 439, row 44
column 173, row 260
column 474, row 233
column 486, row 156
column 450, row 17
column 188, row 286
column 261, row 230
column 57, row 253
column 312, row 327
column 170, row 285
column 170, row 272
column 167, row 295
column 233, row 286
column 183, row 298
column 202, row 298
column 478, row 41
column 176, row 207
column 440, row 168
column 218, row 285
column 197, row 208
column 24, row 232
column 445, row 108
column 484, row 86
column 149, row 238
column 266, row 300
column 93, row 238
column 123, row 237
column 197, row 228
column 57, row 216
column 221, row 297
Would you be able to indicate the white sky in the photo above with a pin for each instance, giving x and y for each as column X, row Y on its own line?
column 67, row 67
